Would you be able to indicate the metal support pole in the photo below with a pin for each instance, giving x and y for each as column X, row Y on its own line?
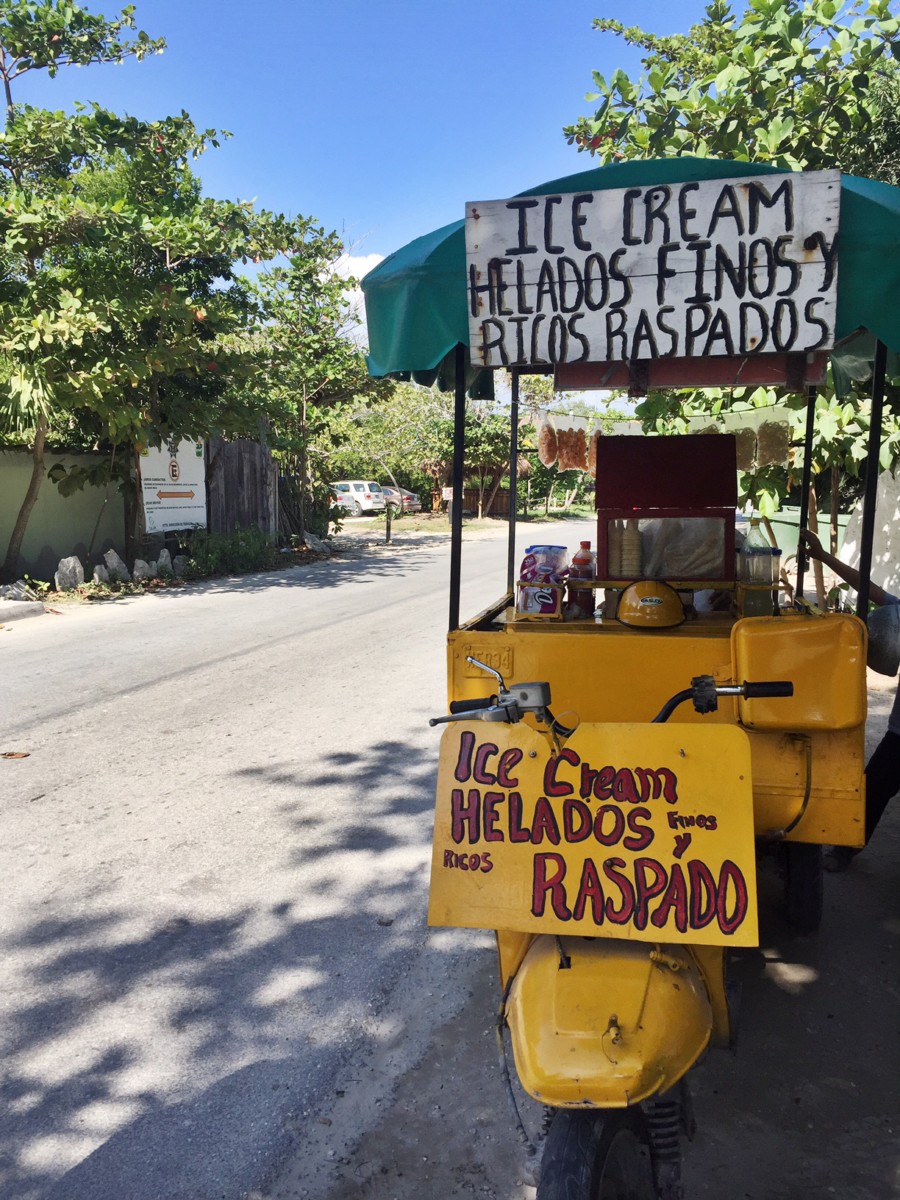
column 513, row 482
column 456, row 514
column 868, row 521
column 811, row 394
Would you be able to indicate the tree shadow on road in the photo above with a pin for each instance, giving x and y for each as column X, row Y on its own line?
column 177, row 1058
column 317, row 574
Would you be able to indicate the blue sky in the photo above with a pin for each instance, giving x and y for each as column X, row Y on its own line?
column 380, row 118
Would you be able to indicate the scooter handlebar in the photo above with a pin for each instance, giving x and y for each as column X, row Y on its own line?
column 772, row 687
column 704, row 693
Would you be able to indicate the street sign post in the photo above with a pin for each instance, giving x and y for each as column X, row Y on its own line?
column 173, row 486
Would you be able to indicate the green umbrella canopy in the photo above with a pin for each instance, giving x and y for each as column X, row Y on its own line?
column 416, row 305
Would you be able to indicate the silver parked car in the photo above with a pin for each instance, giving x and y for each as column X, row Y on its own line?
column 394, row 496
column 359, row 496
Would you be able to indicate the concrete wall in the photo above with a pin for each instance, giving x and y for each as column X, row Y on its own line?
column 59, row 525
column 886, row 540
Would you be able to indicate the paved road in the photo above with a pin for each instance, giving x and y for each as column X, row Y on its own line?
column 214, row 864
column 218, row 980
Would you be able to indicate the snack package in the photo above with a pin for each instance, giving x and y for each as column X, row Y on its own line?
column 571, row 450
column 592, row 455
column 773, row 443
column 544, row 564
column 538, row 600
column 745, row 441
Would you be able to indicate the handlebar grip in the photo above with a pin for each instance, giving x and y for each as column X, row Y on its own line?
column 459, row 706
column 774, row 687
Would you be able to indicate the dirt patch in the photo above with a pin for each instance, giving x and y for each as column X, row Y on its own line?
column 441, row 1129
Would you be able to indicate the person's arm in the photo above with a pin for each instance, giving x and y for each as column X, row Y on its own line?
column 849, row 574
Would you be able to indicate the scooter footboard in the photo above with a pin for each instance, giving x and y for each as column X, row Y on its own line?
column 605, row 1024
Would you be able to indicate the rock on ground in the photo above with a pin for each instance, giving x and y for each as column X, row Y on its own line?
column 69, row 574
column 116, row 566
column 17, row 591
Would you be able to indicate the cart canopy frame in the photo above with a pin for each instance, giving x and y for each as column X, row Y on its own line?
column 417, row 316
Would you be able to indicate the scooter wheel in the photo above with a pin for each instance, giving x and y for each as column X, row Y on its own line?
column 596, row 1156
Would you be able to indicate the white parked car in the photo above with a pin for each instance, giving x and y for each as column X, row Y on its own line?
column 359, row 496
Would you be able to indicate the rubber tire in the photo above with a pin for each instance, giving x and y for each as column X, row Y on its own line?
column 591, row 1155
column 803, row 888
column 355, row 510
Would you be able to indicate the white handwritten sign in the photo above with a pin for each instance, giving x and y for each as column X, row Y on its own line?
column 726, row 267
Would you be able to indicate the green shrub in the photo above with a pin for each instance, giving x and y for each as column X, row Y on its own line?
column 228, row 554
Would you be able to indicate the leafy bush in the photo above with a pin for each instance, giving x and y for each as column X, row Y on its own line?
column 321, row 513
column 228, row 554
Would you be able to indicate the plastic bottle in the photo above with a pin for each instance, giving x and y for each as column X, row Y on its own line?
column 756, row 567
column 756, row 556
column 584, row 566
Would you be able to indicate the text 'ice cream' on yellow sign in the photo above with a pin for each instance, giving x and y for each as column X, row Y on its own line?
column 630, row 831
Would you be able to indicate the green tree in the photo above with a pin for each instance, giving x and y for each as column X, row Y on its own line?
column 311, row 372
column 402, row 437
column 487, row 453
column 410, row 433
column 49, row 34
column 116, row 283
column 804, row 84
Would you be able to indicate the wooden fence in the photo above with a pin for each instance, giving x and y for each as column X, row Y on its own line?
column 242, row 486
column 499, row 506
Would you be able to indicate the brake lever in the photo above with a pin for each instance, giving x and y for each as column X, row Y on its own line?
column 508, row 712
column 510, row 706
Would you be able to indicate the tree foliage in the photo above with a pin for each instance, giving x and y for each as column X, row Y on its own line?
column 803, row 84
column 408, row 436
column 309, row 371
column 402, row 436
column 59, row 33
column 118, row 289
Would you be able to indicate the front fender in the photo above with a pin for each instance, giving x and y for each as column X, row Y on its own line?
column 623, row 1021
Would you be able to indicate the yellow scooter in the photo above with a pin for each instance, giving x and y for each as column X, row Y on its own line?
column 617, row 859
column 607, row 1014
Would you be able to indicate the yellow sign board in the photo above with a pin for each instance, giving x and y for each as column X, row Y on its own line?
column 630, row 831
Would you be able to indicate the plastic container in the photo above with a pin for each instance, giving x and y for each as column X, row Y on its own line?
column 543, row 564
column 631, row 551
column 758, row 574
column 755, row 562
column 583, row 567
column 614, row 550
